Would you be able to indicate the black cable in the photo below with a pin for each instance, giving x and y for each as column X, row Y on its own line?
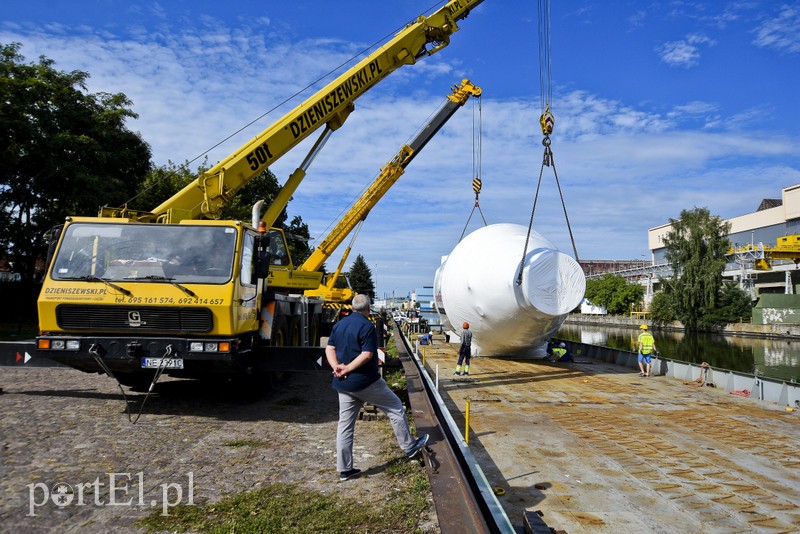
column 530, row 224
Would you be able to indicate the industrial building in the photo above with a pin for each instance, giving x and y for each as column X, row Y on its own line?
column 764, row 256
column 763, row 259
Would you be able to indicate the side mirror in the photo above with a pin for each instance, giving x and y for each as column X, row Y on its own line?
column 262, row 257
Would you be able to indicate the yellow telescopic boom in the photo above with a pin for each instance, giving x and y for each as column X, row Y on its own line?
column 389, row 174
column 330, row 106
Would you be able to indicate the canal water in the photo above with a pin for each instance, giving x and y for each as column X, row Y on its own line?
column 772, row 358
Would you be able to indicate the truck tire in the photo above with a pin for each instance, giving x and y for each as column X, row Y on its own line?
column 314, row 331
column 280, row 332
column 295, row 334
column 280, row 338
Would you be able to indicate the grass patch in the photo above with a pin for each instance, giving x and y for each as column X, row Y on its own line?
column 396, row 379
column 415, row 477
column 289, row 508
column 391, row 351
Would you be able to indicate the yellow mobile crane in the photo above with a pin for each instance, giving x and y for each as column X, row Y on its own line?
column 133, row 294
column 387, row 177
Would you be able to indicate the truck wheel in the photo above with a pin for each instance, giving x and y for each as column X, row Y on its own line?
column 280, row 332
column 294, row 332
column 313, row 331
column 280, row 338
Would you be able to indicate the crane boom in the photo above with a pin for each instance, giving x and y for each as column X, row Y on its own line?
column 389, row 174
column 329, row 106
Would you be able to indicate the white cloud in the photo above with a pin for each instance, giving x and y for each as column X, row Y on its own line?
column 684, row 53
column 782, row 32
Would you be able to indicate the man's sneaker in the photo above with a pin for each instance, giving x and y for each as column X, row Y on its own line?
column 418, row 445
column 457, row 373
column 346, row 475
column 466, row 373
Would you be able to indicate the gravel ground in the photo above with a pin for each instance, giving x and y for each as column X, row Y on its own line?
column 63, row 428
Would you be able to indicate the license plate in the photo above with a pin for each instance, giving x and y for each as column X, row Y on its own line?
column 162, row 363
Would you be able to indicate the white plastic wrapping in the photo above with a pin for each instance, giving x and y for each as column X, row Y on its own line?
column 477, row 283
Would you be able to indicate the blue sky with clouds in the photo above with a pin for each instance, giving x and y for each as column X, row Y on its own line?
column 659, row 107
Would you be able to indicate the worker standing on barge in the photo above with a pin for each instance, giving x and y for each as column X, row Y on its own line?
column 647, row 345
column 464, row 351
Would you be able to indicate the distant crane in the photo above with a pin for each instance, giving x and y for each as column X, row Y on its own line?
column 787, row 248
column 761, row 257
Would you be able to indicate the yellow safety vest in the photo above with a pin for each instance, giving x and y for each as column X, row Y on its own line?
column 647, row 342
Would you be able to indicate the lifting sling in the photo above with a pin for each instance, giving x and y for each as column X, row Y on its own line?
column 477, row 183
column 547, row 122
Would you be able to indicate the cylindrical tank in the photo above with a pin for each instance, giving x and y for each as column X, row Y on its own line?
column 477, row 283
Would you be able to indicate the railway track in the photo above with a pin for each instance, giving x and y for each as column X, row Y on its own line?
column 465, row 500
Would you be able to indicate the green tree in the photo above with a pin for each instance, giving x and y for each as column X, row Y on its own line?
column 613, row 293
column 298, row 236
column 696, row 246
column 163, row 182
column 361, row 277
column 265, row 187
column 160, row 183
column 661, row 310
column 734, row 303
column 63, row 151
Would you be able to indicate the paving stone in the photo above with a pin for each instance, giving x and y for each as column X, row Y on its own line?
column 62, row 426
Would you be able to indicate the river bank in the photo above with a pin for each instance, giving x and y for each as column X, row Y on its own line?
column 764, row 331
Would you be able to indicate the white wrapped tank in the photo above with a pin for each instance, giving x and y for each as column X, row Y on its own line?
column 477, row 284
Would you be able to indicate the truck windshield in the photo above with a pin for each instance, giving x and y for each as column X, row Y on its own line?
column 128, row 252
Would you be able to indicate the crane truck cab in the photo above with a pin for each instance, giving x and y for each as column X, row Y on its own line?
column 139, row 294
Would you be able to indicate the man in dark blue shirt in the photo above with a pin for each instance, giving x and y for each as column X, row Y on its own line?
column 351, row 353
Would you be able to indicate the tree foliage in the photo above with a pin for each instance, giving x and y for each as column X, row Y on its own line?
column 696, row 246
column 163, row 182
column 613, row 293
column 661, row 310
column 361, row 277
column 160, row 183
column 733, row 304
column 63, row 151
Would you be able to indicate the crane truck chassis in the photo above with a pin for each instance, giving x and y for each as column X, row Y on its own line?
column 133, row 298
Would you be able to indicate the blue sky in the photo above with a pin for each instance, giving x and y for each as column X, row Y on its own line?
column 659, row 107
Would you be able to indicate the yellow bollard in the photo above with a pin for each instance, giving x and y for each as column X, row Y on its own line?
column 466, row 425
column 424, row 349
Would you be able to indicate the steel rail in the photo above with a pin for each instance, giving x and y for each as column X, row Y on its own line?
column 463, row 498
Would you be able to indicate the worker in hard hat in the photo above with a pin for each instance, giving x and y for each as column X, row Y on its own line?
column 464, row 351
column 647, row 345
column 561, row 353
